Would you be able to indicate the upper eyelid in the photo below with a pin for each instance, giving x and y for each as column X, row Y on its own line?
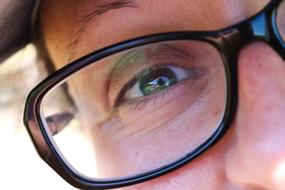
column 165, row 48
column 120, row 69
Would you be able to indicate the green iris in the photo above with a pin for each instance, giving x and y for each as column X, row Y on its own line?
column 153, row 81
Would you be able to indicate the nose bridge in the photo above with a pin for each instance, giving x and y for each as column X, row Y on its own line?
column 259, row 152
column 262, row 94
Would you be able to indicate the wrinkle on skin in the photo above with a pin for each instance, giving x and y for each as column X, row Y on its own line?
column 247, row 157
column 132, row 142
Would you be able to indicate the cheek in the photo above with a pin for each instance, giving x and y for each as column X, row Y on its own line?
column 205, row 173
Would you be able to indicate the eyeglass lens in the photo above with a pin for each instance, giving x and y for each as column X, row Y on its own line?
column 137, row 110
column 280, row 20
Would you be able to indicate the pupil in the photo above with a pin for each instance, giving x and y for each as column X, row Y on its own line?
column 156, row 80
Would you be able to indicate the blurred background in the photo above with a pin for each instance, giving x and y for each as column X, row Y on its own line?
column 20, row 165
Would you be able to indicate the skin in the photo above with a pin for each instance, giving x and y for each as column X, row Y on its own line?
column 249, row 155
column 118, row 133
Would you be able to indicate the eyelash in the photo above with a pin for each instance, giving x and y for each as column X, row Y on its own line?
column 138, row 103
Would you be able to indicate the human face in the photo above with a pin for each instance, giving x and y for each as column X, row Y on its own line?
column 250, row 154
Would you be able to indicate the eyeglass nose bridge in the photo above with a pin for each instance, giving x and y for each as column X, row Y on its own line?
column 262, row 27
column 255, row 29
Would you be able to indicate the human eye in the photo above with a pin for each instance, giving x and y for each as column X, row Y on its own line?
column 155, row 80
column 151, row 73
column 57, row 122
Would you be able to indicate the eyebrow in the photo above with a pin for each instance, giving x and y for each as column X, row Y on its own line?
column 99, row 10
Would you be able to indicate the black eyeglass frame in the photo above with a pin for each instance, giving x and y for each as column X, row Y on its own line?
column 262, row 26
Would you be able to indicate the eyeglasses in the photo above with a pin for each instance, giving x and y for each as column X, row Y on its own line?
column 144, row 107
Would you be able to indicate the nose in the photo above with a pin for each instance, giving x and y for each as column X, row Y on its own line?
column 257, row 159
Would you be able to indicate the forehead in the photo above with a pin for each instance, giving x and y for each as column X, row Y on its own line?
column 104, row 22
column 227, row 6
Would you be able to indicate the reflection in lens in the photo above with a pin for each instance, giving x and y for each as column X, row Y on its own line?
column 280, row 19
column 140, row 109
